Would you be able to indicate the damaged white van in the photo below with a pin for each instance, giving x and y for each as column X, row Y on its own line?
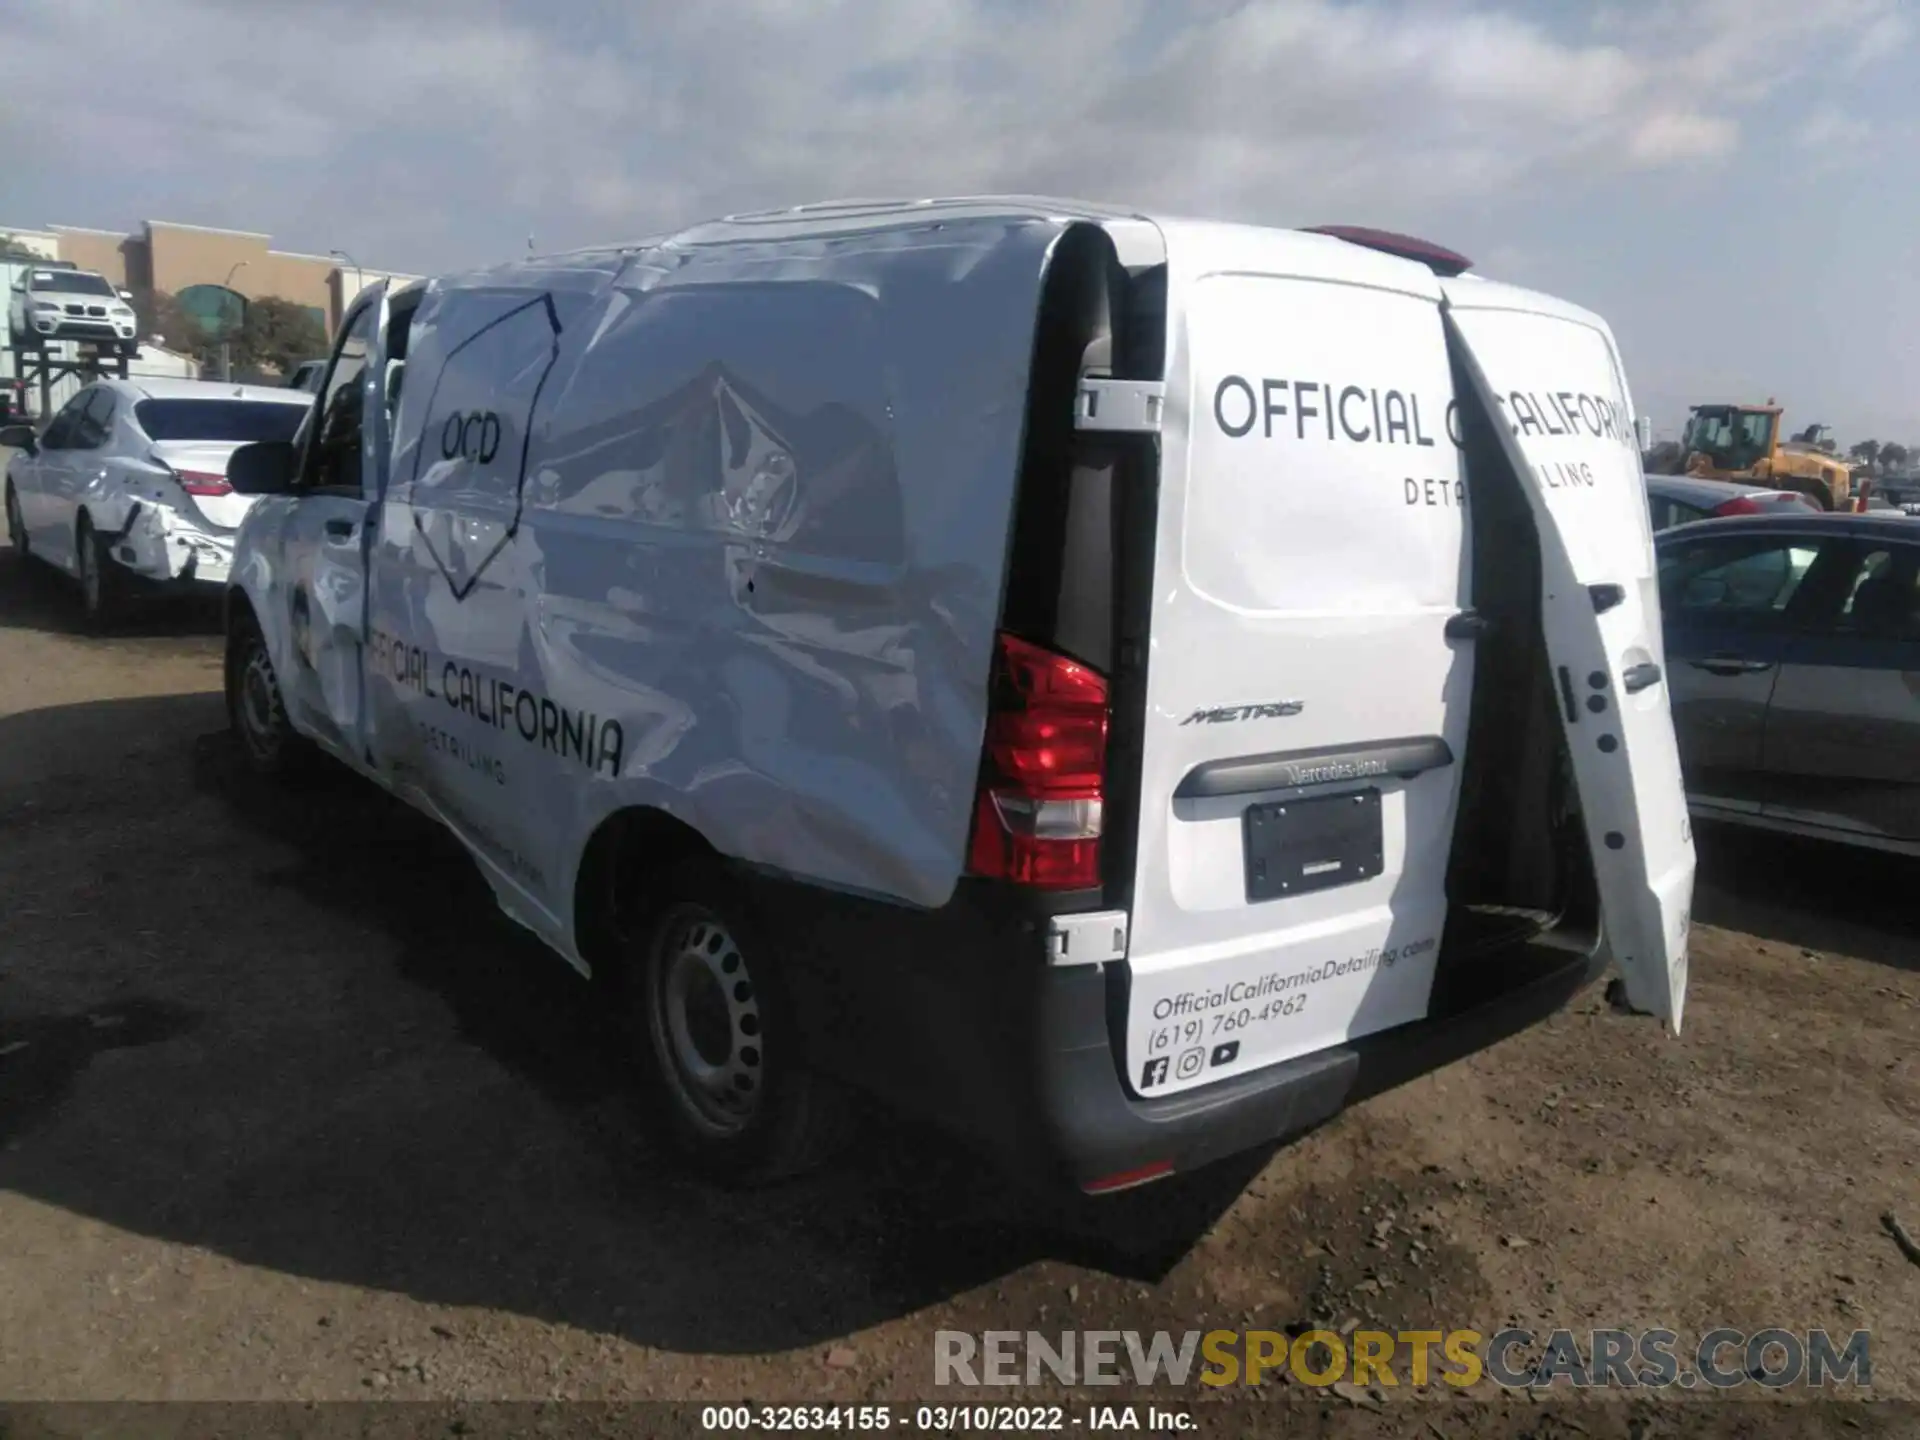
column 1120, row 689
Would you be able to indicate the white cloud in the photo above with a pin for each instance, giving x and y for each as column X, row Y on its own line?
column 1880, row 38
column 1670, row 136
column 1832, row 131
column 440, row 132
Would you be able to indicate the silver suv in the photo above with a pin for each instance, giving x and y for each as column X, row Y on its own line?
column 56, row 303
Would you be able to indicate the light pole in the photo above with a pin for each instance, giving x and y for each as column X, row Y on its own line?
column 226, row 331
column 359, row 278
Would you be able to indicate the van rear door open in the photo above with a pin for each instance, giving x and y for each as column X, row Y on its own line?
column 1305, row 705
column 1552, row 374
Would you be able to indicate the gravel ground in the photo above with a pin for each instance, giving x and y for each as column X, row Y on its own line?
column 288, row 1112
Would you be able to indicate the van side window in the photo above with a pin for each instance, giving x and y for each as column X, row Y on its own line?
column 335, row 459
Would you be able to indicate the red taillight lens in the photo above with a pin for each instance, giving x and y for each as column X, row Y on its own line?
column 1037, row 818
column 1739, row 505
column 202, row 482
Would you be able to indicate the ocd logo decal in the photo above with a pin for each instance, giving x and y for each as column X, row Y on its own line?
column 474, row 437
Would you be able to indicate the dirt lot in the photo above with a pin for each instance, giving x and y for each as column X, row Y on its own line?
column 288, row 1112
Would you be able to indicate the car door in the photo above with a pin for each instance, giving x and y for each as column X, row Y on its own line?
column 1842, row 744
column 323, row 540
column 35, row 480
column 1730, row 601
column 83, row 463
column 23, row 474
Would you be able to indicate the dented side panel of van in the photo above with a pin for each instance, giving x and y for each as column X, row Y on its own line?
column 649, row 542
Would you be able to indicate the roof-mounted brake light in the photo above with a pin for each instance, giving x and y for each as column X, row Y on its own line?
column 1437, row 258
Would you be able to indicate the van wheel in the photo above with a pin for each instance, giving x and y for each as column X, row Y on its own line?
column 255, row 711
column 17, row 525
column 101, row 591
column 707, row 1007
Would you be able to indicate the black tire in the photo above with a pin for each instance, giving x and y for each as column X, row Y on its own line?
column 17, row 526
column 267, row 741
column 703, row 985
column 102, row 587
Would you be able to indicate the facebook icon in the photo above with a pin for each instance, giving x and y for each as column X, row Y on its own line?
column 1154, row 1074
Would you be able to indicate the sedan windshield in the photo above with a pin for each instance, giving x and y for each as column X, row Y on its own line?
column 68, row 283
column 243, row 420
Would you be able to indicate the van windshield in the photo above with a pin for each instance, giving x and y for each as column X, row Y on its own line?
column 237, row 420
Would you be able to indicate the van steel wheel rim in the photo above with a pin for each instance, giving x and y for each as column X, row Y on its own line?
column 89, row 572
column 706, row 1022
column 258, row 702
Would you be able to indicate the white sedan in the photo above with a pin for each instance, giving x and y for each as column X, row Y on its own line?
column 128, row 482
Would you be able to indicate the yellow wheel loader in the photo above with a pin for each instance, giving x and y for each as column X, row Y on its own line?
column 1742, row 442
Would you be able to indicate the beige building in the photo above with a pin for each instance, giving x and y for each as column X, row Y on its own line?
column 205, row 269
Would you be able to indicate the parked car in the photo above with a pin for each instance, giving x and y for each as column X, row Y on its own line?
column 1792, row 645
column 56, row 303
column 1093, row 744
column 1682, row 499
column 127, row 482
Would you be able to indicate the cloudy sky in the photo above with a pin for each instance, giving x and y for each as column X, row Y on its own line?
column 1730, row 182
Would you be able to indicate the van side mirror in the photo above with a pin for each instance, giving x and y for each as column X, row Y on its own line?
column 266, row 467
column 20, row 437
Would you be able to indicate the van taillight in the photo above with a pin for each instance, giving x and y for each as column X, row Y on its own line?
column 1037, row 818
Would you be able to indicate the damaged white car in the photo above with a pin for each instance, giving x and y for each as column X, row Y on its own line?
column 126, row 487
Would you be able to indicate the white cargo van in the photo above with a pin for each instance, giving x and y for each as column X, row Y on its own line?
column 1120, row 689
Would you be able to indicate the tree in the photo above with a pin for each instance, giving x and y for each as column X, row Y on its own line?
column 1866, row 452
column 158, row 313
column 277, row 335
column 1894, row 455
column 12, row 247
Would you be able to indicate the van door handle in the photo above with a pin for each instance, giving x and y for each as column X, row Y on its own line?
column 340, row 529
column 1467, row 625
column 1730, row 665
column 1638, row 677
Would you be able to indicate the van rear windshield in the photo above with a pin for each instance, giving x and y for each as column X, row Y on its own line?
column 242, row 420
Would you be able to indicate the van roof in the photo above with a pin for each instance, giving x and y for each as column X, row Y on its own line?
column 1139, row 235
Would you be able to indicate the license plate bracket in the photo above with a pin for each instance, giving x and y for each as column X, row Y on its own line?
column 1295, row 847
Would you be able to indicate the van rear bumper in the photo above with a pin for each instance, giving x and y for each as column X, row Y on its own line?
column 954, row 1017
column 1103, row 1133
